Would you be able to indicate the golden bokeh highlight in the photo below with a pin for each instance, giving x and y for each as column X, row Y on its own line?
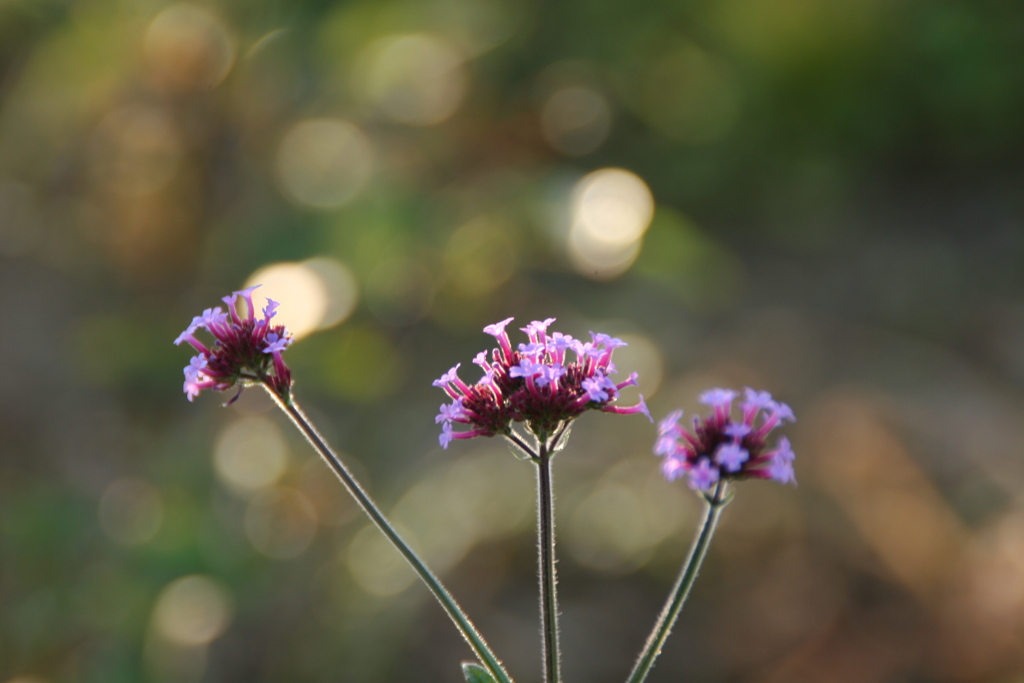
column 416, row 79
column 187, row 47
column 250, row 454
column 192, row 610
column 324, row 163
column 131, row 511
column 280, row 523
column 611, row 210
column 341, row 286
column 576, row 120
column 314, row 294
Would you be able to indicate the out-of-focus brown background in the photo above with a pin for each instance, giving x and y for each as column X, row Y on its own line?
column 818, row 198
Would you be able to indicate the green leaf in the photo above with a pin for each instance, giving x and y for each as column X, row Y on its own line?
column 475, row 673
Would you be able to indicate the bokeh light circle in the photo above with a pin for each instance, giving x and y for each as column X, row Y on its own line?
column 314, row 294
column 189, row 47
column 415, row 79
column 250, row 454
column 324, row 163
column 611, row 210
column 192, row 610
column 301, row 291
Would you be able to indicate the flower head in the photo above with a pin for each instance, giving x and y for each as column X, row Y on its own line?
column 538, row 384
column 245, row 348
column 718, row 448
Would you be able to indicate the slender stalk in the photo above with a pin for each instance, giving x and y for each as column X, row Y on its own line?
column 546, row 557
column 681, row 589
column 462, row 622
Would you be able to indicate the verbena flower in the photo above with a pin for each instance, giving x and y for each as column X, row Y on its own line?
column 244, row 349
column 538, row 384
column 718, row 447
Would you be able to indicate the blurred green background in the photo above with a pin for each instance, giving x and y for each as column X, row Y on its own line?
column 820, row 198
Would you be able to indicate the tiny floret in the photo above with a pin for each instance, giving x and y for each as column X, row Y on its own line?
column 537, row 382
column 276, row 343
column 718, row 397
column 703, row 476
column 244, row 349
column 731, row 456
column 720, row 448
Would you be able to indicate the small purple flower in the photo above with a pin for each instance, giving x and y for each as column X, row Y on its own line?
column 558, row 344
column 673, row 468
column 728, row 448
column 782, row 472
column 595, row 389
column 532, row 350
column 450, row 412
column 755, row 401
column 497, row 330
column 268, row 310
column 446, row 435
column 448, row 377
column 737, row 430
column 549, row 374
column 601, row 339
column 670, row 424
column 703, row 476
column 535, row 384
column 245, row 349
column 276, row 343
column 718, row 397
column 195, row 367
column 537, row 330
column 784, row 452
column 640, row 407
column 525, row 368
column 731, row 456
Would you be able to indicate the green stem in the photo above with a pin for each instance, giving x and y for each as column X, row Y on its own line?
column 546, row 541
column 681, row 589
column 462, row 622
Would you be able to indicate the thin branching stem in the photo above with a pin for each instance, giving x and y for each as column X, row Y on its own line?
column 546, row 556
column 520, row 444
column 462, row 622
column 681, row 589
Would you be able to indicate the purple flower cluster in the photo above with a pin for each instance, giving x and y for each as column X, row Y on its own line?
column 244, row 348
column 719, row 448
column 536, row 383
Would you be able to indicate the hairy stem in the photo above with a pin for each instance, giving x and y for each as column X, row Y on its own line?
column 462, row 622
column 546, row 553
column 681, row 589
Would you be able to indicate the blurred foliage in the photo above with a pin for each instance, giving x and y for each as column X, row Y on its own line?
column 818, row 198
